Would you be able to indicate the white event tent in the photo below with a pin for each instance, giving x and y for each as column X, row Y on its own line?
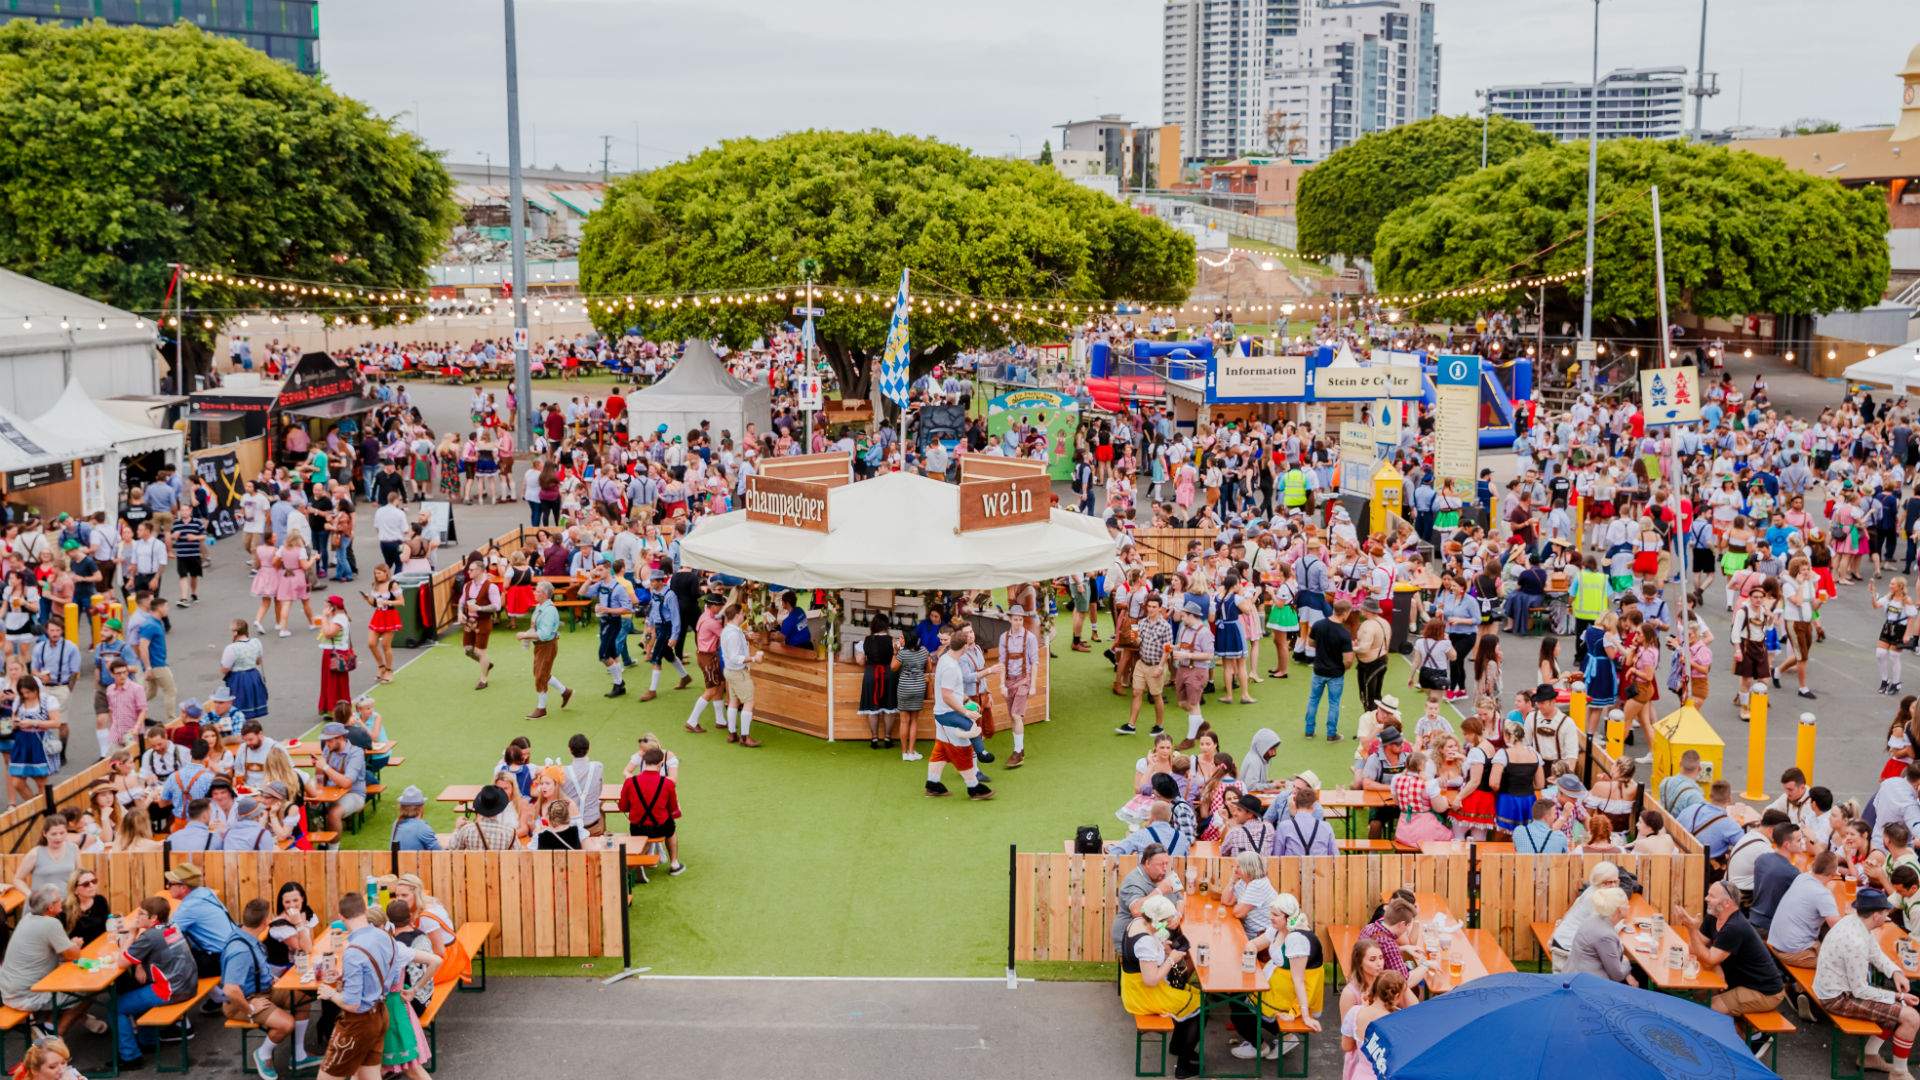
column 699, row 388
column 76, row 411
column 1898, row 367
column 898, row 531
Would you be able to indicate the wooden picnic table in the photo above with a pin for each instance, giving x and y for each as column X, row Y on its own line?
column 328, row 944
column 1651, row 956
column 1339, row 802
column 75, row 983
column 462, row 795
column 1204, row 849
column 326, row 795
column 1889, row 936
column 314, row 749
column 1461, row 847
column 1210, row 922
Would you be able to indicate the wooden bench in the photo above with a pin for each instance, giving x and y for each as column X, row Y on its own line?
column 1846, row 1028
column 12, row 1019
column 442, row 992
column 1543, row 936
column 472, row 937
column 1161, row 1027
column 1297, row 1027
column 1350, row 847
column 638, row 862
column 322, row 838
column 374, row 791
column 175, row 1016
column 1769, row 1023
column 578, row 611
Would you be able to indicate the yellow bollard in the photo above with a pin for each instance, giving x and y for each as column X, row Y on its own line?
column 1803, row 748
column 70, row 615
column 1757, row 743
column 1577, row 708
column 1616, row 733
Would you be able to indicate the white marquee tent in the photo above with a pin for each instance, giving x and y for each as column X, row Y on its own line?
column 1898, row 367
column 898, row 531
column 76, row 411
column 107, row 350
column 699, row 388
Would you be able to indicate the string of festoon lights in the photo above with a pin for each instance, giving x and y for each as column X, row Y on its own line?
column 343, row 305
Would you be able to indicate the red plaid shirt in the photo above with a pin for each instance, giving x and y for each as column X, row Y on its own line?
column 1378, row 933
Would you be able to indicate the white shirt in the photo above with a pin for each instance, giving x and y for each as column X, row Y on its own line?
column 390, row 524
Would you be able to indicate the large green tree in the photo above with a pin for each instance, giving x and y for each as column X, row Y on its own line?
column 863, row 206
column 124, row 150
column 1742, row 233
column 1344, row 199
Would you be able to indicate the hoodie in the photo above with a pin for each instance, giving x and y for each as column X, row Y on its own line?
column 1253, row 767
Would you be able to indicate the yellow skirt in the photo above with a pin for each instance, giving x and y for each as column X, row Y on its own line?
column 1279, row 996
column 1163, row 1000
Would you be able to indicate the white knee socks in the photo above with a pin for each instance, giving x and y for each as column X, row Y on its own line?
column 699, row 706
column 1194, row 720
column 746, row 720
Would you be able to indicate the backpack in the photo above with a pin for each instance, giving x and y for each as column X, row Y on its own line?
column 1086, row 840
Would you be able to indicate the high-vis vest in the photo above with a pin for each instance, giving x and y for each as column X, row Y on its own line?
column 1296, row 489
column 1591, row 603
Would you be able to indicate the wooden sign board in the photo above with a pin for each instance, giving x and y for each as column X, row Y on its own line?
column 827, row 470
column 995, row 467
column 996, row 504
column 787, row 503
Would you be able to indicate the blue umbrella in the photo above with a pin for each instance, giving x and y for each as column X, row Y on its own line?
column 1522, row 1026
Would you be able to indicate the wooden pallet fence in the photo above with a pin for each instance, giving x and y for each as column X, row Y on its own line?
column 1065, row 905
column 20, row 826
column 541, row 903
column 1516, row 890
column 1683, row 839
column 1163, row 549
column 443, row 589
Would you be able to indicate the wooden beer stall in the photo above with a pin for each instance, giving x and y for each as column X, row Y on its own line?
column 894, row 543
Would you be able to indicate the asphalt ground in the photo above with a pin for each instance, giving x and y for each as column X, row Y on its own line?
column 911, row 1029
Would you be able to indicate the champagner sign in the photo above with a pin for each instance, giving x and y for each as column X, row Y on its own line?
column 1670, row 395
column 794, row 504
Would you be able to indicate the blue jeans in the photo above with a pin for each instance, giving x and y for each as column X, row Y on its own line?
column 1333, row 687
column 344, row 565
column 132, row 1004
column 367, row 473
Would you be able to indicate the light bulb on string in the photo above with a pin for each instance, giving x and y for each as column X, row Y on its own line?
column 103, row 322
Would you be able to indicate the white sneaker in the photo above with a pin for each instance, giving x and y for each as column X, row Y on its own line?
column 286, row 633
column 1245, row 1051
column 1644, row 759
column 910, row 755
column 1271, row 1051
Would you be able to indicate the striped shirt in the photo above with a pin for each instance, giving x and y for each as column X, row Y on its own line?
column 188, row 535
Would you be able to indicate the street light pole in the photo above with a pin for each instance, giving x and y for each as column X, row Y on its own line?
column 1486, row 112
column 1593, row 187
column 517, row 230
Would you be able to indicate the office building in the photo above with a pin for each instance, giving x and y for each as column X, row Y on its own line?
column 1635, row 103
column 1354, row 68
column 286, row 30
column 1294, row 77
column 1110, row 146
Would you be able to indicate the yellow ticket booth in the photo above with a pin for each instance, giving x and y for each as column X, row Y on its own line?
column 1682, row 730
column 1388, row 493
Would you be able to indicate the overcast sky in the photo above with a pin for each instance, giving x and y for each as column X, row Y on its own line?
column 665, row 79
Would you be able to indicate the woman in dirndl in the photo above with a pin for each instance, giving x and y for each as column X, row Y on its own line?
column 386, row 597
column 1475, row 816
column 879, row 683
column 34, row 716
column 337, row 658
column 519, row 598
column 240, row 667
column 1518, row 776
column 405, row 1051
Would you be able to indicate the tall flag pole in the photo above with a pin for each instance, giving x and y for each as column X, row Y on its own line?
column 894, row 361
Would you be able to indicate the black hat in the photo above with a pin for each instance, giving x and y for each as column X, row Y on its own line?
column 713, row 598
column 490, row 802
column 1251, row 805
column 1164, row 786
column 1545, row 693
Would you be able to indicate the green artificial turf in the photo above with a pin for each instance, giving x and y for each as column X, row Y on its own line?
column 809, row 858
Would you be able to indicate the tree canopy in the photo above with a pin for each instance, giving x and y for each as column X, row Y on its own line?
column 1742, row 233
column 123, row 150
column 865, row 205
column 1344, row 199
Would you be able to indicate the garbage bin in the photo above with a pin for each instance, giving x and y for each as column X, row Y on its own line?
column 415, row 630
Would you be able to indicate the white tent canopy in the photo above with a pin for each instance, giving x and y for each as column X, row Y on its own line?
column 699, row 388
column 1898, row 367
column 77, row 411
column 25, row 444
column 898, row 531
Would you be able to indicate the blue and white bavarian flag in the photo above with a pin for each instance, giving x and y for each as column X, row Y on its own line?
column 893, row 361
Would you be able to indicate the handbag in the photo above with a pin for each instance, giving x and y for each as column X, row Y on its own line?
column 342, row 661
